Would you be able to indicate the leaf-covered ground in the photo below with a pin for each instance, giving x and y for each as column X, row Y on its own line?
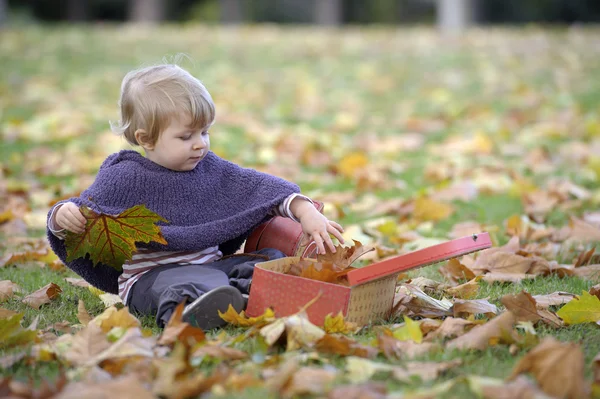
column 409, row 139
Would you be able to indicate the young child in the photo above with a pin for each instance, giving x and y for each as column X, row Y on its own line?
column 211, row 205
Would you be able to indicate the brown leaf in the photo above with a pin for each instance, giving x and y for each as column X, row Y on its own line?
column 370, row 390
column 42, row 296
column 466, row 290
column 309, row 381
column 326, row 272
column 498, row 329
column 426, row 371
column 475, row 306
column 77, row 282
column 451, row 327
column 82, row 314
column 581, row 231
column 584, row 257
column 87, row 343
column 553, row 299
column 591, row 272
column 344, row 256
column 127, row 386
column 503, row 262
column 344, row 346
column 454, row 271
column 524, row 308
column 219, row 352
column 516, row 278
column 596, row 369
column 595, row 290
column 394, row 349
column 178, row 330
column 558, row 368
column 520, row 388
column 8, row 290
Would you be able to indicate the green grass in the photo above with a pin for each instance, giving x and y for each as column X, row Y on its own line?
column 289, row 88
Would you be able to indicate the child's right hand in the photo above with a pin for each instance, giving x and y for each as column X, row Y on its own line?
column 69, row 217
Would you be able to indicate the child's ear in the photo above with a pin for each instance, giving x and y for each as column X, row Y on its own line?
column 142, row 138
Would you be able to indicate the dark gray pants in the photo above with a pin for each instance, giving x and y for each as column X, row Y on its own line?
column 160, row 290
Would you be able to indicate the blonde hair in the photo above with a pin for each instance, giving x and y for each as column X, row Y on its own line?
column 152, row 96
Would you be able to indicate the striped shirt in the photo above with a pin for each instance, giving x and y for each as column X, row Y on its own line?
column 145, row 260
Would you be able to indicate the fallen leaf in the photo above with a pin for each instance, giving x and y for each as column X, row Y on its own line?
column 480, row 337
column 300, row 332
column 12, row 334
column 466, row 290
column 127, row 386
column 344, row 346
column 241, row 319
column 177, row 330
column 595, row 290
column 454, row 271
column 591, row 272
column 42, row 296
column 82, row 314
column 474, row 306
column 450, row 327
column 520, row 388
column 429, row 209
column 558, row 368
column 394, row 349
column 409, row 331
column 503, row 262
column 6, row 313
column 370, row 390
column 584, row 309
column 113, row 317
column 515, row 278
column 409, row 298
column 309, row 381
column 337, row 324
column 111, row 239
column 219, row 352
column 553, row 299
column 524, row 307
column 110, row 299
column 8, row 289
column 87, row 344
column 426, row 371
column 77, row 282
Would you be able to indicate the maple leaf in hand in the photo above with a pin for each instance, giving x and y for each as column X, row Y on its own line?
column 111, row 239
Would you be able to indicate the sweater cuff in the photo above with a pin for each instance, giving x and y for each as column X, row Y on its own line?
column 58, row 233
column 289, row 200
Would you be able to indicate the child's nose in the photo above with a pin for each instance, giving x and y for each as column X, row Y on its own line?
column 198, row 145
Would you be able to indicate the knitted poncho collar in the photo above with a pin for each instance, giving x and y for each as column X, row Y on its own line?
column 216, row 203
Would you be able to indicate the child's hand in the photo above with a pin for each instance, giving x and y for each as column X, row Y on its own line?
column 318, row 227
column 69, row 217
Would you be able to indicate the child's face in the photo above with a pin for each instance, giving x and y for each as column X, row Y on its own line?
column 180, row 147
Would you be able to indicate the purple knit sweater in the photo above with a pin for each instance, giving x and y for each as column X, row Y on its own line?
column 217, row 203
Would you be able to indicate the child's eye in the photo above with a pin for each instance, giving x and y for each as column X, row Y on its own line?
column 205, row 133
column 186, row 137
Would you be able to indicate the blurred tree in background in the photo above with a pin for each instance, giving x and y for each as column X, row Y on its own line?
column 324, row 12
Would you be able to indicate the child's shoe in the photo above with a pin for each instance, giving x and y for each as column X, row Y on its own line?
column 203, row 312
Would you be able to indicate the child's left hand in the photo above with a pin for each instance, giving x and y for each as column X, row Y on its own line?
column 318, row 227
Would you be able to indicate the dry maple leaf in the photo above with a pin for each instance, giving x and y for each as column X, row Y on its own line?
column 179, row 331
column 8, row 289
column 558, row 368
column 524, row 307
column 344, row 346
column 337, row 324
column 111, row 239
column 480, row 337
column 344, row 256
column 585, row 309
column 370, row 390
column 309, row 380
column 42, row 296
column 241, row 319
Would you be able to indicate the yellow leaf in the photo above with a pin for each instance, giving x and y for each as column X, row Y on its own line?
column 336, row 324
column 240, row 319
column 409, row 331
column 585, row 309
column 112, row 317
column 428, row 209
column 351, row 163
column 514, row 225
column 95, row 290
